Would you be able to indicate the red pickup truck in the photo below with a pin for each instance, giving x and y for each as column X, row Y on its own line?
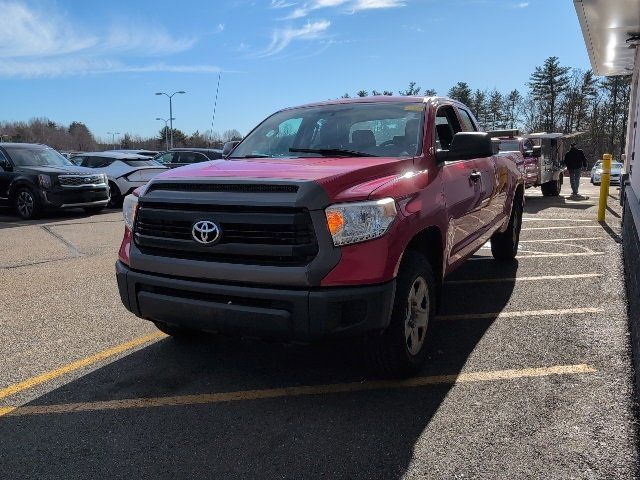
column 332, row 219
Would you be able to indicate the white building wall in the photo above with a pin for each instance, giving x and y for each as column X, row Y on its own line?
column 632, row 149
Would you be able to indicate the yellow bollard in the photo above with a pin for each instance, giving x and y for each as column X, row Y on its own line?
column 605, row 178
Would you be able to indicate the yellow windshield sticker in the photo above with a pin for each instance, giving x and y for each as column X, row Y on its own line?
column 414, row 108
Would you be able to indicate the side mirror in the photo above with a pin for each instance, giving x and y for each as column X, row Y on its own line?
column 536, row 152
column 466, row 146
column 228, row 147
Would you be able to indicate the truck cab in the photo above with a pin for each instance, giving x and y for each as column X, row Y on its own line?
column 335, row 219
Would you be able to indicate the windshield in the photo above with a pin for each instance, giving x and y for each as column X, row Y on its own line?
column 37, row 157
column 509, row 146
column 356, row 129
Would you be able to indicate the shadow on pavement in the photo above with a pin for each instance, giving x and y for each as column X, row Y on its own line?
column 10, row 220
column 357, row 435
column 536, row 204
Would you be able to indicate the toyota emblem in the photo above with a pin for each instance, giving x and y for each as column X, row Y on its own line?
column 205, row 232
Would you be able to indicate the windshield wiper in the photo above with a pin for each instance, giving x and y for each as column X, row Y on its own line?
column 253, row 155
column 332, row 152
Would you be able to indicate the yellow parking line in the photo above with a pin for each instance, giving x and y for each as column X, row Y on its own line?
column 521, row 313
column 211, row 398
column 78, row 364
column 523, row 279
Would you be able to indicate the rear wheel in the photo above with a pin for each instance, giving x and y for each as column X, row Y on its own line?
column 26, row 203
column 400, row 349
column 115, row 197
column 552, row 188
column 504, row 245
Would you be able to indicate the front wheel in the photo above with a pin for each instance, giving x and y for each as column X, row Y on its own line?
column 115, row 197
column 504, row 245
column 400, row 350
column 26, row 204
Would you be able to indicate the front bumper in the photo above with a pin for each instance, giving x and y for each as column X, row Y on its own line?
column 76, row 197
column 614, row 180
column 287, row 314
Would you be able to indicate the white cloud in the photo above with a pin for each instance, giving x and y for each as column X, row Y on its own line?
column 521, row 5
column 282, row 37
column 220, row 28
column 43, row 43
column 281, row 4
column 348, row 6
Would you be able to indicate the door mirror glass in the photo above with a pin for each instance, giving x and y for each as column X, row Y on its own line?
column 466, row 146
column 4, row 164
column 228, row 147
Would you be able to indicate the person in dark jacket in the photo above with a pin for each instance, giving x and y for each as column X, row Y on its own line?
column 575, row 161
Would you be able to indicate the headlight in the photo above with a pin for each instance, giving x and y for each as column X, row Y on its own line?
column 129, row 210
column 599, row 171
column 44, row 181
column 105, row 179
column 358, row 222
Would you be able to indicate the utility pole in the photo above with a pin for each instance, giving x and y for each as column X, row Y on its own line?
column 166, row 133
column 113, row 138
column 171, row 110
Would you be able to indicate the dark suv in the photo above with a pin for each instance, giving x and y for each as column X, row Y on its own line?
column 36, row 177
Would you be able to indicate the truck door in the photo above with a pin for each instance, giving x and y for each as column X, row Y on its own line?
column 489, row 209
column 461, row 189
column 530, row 164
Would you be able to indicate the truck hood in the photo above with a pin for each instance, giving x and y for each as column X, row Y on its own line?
column 351, row 178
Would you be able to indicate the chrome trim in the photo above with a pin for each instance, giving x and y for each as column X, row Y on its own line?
column 87, row 204
column 85, row 185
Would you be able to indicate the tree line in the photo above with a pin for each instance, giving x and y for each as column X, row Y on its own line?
column 559, row 99
column 77, row 137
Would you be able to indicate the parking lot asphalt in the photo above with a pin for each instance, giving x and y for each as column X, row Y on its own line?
column 529, row 372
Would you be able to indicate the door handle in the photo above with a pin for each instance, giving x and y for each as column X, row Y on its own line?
column 475, row 176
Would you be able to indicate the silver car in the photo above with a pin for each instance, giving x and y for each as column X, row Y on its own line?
column 616, row 173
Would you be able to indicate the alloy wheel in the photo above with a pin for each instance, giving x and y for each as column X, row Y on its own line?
column 25, row 204
column 416, row 322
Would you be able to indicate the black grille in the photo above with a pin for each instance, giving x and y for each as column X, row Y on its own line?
column 260, row 236
column 224, row 187
column 80, row 180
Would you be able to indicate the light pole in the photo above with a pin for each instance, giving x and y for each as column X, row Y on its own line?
column 171, row 110
column 166, row 137
column 113, row 138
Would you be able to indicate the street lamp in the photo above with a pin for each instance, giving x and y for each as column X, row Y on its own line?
column 166, row 137
column 113, row 138
column 171, row 111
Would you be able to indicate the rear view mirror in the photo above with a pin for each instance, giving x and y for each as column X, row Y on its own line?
column 228, row 147
column 466, row 146
column 5, row 165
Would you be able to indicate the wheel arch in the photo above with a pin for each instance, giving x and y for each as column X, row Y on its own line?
column 18, row 184
column 429, row 242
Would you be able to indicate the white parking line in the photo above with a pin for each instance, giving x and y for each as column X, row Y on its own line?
column 523, row 279
column 520, row 314
column 554, row 240
column 566, row 227
column 546, row 255
column 543, row 219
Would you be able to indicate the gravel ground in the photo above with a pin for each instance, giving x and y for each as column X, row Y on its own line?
column 60, row 304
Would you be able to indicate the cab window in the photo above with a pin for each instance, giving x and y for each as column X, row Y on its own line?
column 447, row 125
column 467, row 121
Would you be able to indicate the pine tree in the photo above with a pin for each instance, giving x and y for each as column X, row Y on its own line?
column 461, row 92
column 547, row 84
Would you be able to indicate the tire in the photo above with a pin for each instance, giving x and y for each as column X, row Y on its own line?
column 26, row 203
column 93, row 210
column 504, row 245
column 115, row 197
column 400, row 349
column 175, row 331
column 552, row 188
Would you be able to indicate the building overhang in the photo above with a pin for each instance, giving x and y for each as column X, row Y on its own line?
column 608, row 28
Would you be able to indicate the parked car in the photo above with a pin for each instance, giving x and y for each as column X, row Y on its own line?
column 35, row 177
column 333, row 219
column 616, row 173
column 125, row 171
column 144, row 153
column 179, row 157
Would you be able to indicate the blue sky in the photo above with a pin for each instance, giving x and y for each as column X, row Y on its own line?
column 101, row 62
